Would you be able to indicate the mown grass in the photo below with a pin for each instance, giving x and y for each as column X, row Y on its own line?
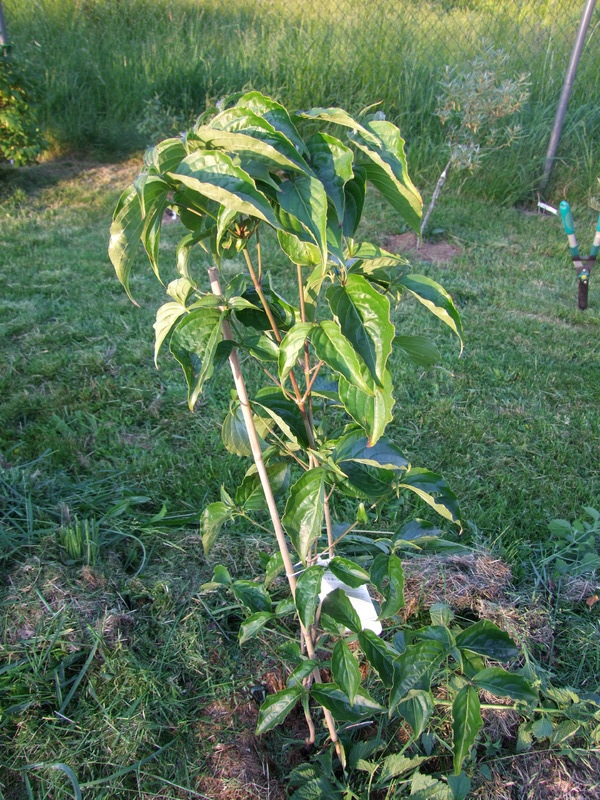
column 97, row 64
column 107, row 663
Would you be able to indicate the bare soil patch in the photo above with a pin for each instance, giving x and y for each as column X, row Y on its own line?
column 432, row 252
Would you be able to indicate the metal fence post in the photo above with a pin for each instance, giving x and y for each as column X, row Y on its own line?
column 561, row 111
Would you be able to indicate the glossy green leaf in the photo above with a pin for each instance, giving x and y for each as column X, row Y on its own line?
column 435, row 298
column 308, row 587
column 167, row 155
column 417, row 708
column 250, row 495
column 305, row 668
column 354, row 200
column 364, row 317
column 292, row 345
column 252, row 595
column 151, row 232
column 466, row 724
column 166, row 317
column 303, row 516
column 345, row 669
column 414, row 669
column 332, row 347
column 349, row 572
column 212, row 520
column 193, row 343
column 337, row 606
column 338, row 116
column 380, row 655
column 419, row 349
column 488, row 640
column 251, row 626
column 372, row 470
column 241, row 119
column 275, row 114
column 234, row 434
column 502, row 683
column 213, row 175
column 271, row 404
column 372, row 410
column 125, row 233
column 331, row 697
column 388, row 576
column 385, row 164
column 298, row 249
column 276, row 708
column 273, row 568
column 332, row 163
column 434, row 490
column 304, row 200
column 260, row 346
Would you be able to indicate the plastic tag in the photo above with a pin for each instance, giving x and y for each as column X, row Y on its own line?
column 359, row 598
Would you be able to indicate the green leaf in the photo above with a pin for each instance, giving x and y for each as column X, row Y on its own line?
column 304, row 200
column 303, row 516
column 460, row 785
column 331, row 697
column 250, row 495
column 298, row 247
column 364, row 318
column 302, row 671
column 332, row 347
column 254, row 142
column 150, row 189
column 434, row 490
column 308, row 587
column 435, row 298
column 125, row 233
column 212, row 520
column 354, row 200
column 424, row 787
column 414, row 668
column 388, row 576
column 332, row 163
column 338, row 116
column 166, row 317
column 371, row 470
column 380, row 655
column 252, row 595
column 273, row 569
column 348, row 572
column 167, row 155
column 372, row 410
column 502, row 683
column 275, row 114
column 234, row 434
column 396, row 764
column 385, row 164
column 487, row 639
column 345, row 669
column 242, row 119
column 466, row 724
column 441, row 614
column 417, row 708
column 276, row 708
column 193, row 343
column 251, row 626
column 419, row 349
column 214, row 175
column 563, row 731
column 337, row 606
column 271, row 404
column 542, row 728
column 292, row 345
column 221, row 575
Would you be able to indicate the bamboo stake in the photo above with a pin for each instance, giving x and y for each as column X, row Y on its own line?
column 240, row 386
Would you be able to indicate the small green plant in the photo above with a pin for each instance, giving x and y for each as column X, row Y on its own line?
column 322, row 465
column 573, row 549
column 21, row 141
column 81, row 540
column 477, row 101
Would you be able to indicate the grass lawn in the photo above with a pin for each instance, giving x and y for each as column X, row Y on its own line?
column 113, row 665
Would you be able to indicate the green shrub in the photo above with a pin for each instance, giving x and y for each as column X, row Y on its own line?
column 21, row 141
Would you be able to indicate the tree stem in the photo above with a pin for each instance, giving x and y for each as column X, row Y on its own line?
column 434, row 196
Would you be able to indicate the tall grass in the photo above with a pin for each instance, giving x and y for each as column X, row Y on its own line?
column 99, row 62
